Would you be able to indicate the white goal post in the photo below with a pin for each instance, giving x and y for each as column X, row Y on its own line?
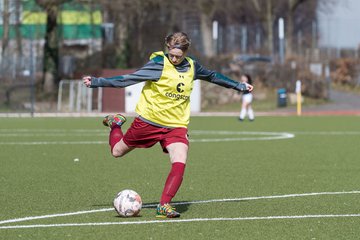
column 74, row 96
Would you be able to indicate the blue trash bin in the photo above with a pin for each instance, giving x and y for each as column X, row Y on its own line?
column 281, row 97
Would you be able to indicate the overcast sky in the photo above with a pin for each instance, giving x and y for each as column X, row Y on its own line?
column 340, row 27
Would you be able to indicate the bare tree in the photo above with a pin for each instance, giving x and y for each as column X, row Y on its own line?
column 51, row 47
column 292, row 7
column 17, row 27
column 10, row 17
column 131, row 19
column 288, row 9
column 6, row 26
column 207, row 11
column 264, row 10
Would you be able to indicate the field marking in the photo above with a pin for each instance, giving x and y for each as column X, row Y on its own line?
column 181, row 221
column 82, row 133
column 29, row 131
column 57, row 133
column 54, row 142
column 180, row 203
column 268, row 136
column 85, row 133
column 328, row 133
column 59, row 130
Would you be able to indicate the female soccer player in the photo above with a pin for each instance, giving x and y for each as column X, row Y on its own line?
column 247, row 97
column 163, row 109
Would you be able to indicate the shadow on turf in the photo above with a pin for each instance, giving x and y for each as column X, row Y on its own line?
column 181, row 207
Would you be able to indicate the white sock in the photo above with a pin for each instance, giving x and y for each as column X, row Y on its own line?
column 242, row 113
column 251, row 113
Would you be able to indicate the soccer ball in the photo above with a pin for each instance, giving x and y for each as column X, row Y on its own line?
column 128, row 203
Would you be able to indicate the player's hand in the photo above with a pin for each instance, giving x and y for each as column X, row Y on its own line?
column 87, row 81
column 249, row 87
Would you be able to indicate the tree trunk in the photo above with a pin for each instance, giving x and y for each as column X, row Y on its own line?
column 207, row 10
column 121, row 38
column 17, row 28
column 289, row 28
column 289, row 34
column 51, row 51
column 269, row 20
column 206, row 32
column 51, row 46
column 18, row 37
column 6, row 25
column 293, row 5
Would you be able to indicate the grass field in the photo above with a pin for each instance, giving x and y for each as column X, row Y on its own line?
column 275, row 178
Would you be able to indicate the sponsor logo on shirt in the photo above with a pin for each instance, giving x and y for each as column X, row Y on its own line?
column 179, row 89
column 177, row 96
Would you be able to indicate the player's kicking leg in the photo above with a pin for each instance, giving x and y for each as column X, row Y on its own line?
column 117, row 146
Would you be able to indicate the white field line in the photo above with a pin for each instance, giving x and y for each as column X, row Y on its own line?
column 50, row 130
column 68, row 134
column 192, row 132
column 329, row 133
column 258, row 136
column 79, row 132
column 180, row 221
column 202, row 140
column 180, row 203
column 84, row 132
column 53, row 142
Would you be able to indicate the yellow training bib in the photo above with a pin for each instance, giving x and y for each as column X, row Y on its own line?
column 167, row 101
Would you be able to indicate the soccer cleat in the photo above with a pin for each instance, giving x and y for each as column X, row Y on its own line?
column 112, row 120
column 166, row 211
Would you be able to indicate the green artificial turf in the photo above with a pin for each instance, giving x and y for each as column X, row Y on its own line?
column 304, row 185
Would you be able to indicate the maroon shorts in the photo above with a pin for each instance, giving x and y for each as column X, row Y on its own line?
column 144, row 135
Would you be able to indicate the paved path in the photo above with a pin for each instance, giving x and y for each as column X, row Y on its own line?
column 341, row 103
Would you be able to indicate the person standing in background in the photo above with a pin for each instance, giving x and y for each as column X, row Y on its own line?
column 247, row 97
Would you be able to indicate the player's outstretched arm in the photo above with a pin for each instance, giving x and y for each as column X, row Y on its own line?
column 149, row 72
column 220, row 79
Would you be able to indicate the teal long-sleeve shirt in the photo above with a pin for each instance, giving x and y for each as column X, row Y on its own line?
column 152, row 71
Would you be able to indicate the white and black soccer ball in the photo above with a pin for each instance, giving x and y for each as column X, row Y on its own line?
column 128, row 203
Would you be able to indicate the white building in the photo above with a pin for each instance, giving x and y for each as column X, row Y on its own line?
column 339, row 25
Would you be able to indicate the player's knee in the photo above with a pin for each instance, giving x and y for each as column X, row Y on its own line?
column 115, row 153
column 181, row 157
